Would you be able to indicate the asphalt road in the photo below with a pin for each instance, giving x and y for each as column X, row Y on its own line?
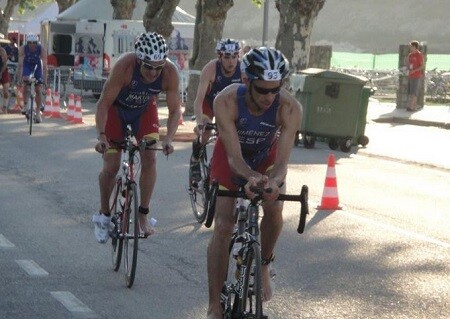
column 386, row 255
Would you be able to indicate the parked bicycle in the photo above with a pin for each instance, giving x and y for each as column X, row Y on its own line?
column 124, row 206
column 241, row 293
column 199, row 192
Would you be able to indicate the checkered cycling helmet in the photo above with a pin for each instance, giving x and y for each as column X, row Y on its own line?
column 151, row 46
column 228, row 46
column 31, row 37
column 266, row 64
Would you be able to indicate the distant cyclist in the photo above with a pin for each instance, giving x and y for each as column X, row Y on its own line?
column 130, row 96
column 4, row 78
column 216, row 75
column 33, row 58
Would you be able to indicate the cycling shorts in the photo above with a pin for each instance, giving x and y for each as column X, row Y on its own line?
column 28, row 69
column 222, row 173
column 5, row 78
column 207, row 108
column 144, row 122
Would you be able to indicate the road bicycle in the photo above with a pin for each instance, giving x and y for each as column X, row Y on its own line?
column 241, row 295
column 124, row 206
column 30, row 110
column 199, row 192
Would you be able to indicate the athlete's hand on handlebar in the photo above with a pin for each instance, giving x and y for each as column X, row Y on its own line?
column 167, row 147
column 102, row 144
column 269, row 187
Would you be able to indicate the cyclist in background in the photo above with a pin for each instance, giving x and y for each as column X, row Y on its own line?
column 32, row 55
column 216, row 75
column 4, row 78
column 130, row 96
column 257, row 123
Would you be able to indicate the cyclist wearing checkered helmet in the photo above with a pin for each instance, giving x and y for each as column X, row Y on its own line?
column 215, row 76
column 129, row 97
column 257, row 123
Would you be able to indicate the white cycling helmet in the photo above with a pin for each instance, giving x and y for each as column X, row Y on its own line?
column 151, row 46
column 31, row 37
column 228, row 46
column 266, row 64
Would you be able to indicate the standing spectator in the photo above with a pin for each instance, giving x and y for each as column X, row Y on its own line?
column 416, row 65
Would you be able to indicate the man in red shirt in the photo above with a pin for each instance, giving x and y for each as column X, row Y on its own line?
column 416, row 65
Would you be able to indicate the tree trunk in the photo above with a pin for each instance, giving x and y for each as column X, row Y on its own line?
column 6, row 15
column 297, row 18
column 64, row 4
column 158, row 16
column 209, row 21
column 123, row 9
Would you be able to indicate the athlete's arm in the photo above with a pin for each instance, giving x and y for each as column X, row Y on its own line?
column 4, row 58
column 171, row 86
column 289, row 117
column 119, row 76
column 206, row 78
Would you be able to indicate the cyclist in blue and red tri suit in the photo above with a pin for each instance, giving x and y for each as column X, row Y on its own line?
column 257, row 123
column 33, row 57
column 216, row 75
column 130, row 96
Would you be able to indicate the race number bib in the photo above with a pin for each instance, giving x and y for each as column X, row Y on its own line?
column 272, row 75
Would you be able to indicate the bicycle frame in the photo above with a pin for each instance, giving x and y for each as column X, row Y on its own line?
column 125, row 207
column 241, row 295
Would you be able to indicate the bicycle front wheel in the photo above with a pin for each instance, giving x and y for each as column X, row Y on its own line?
column 30, row 117
column 131, row 233
column 250, row 301
column 241, row 295
column 116, row 208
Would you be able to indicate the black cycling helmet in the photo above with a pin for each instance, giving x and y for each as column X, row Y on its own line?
column 266, row 64
column 228, row 46
column 151, row 46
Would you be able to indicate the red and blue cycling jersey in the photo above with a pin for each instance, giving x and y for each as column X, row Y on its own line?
column 258, row 140
column 135, row 105
column 31, row 61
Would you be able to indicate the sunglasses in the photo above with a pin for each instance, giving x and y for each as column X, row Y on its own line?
column 151, row 67
column 265, row 91
column 33, row 42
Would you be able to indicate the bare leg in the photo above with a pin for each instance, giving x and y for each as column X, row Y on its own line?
column 271, row 226
column 218, row 254
column 5, row 96
column 106, row 179
column 147, row 184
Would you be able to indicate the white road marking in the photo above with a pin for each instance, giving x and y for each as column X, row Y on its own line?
column 401, row 231
column 5, row 243
column 32, row 268
column 73, row 304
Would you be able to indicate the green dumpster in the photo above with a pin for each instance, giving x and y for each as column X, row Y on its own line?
column 366, row 93
column 332, row 107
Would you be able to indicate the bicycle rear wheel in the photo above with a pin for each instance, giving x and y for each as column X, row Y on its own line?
column 116, row 209
column 198, row 192
column 131, row 234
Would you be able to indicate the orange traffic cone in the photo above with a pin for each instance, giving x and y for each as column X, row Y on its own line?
column 180, row 120
column 330, row 198
column 78, row 117
column 48, row 110
column 56, row 113
column 71, row 108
